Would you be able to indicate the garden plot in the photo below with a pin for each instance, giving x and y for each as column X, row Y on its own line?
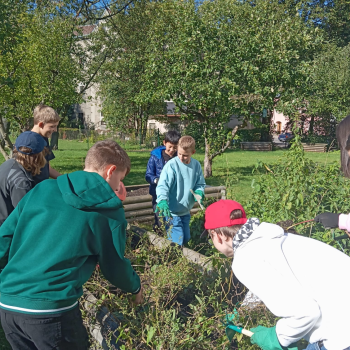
column 183, row 308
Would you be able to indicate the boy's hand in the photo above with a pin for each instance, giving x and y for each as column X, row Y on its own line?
column 137, row 299
column 163, row 209
column 328, row 220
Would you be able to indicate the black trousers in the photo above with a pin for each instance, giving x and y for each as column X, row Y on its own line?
column 64, row 331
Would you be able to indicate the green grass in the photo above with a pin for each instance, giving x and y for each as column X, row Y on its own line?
column 4, row 345
column 233, row 168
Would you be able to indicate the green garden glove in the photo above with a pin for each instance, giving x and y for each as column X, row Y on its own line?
column 163, row 209
column 267, row 339
column 201, row 194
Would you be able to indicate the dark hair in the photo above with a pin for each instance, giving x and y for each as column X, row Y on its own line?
column 230, row 231
column 107, row 152
column 172, row 136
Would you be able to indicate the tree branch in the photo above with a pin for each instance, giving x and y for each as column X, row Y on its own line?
column 228, row 143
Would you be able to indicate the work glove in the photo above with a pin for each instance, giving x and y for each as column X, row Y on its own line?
column 328, row 220
column 163, row 209
column 267, row 339
column 200, row 196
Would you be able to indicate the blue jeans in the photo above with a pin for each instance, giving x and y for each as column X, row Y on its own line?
column 179, row 230
column 315, row 346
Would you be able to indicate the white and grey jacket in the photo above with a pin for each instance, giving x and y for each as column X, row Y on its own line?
column 302, row 280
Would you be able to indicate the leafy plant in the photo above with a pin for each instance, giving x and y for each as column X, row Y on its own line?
column 297, row 189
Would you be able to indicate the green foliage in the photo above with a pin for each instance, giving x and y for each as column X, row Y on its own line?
column 126, row 104
column 42, row 65
column 251, row 135
column 329, row 95
column 296, row 188
column 218, row 135
column 221, row 59
column 43, row 60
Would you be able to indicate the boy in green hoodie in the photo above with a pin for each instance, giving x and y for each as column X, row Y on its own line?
column 50, row 245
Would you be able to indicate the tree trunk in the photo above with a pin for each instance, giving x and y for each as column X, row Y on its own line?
column 54, row 140
column 311, row 127
column 5, row 141
column 208, row 172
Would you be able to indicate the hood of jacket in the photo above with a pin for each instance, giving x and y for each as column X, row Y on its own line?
column 157, row 152
column 265, row 231
column 85, row 190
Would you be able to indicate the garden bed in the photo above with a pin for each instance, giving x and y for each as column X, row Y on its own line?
column 184, row 303
column 138, row 190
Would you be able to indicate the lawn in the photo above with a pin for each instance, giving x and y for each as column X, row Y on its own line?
column 233, row 168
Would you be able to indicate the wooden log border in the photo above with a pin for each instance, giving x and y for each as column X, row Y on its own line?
column 139, row 208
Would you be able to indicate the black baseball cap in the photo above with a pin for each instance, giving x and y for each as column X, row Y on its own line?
column 32, row 140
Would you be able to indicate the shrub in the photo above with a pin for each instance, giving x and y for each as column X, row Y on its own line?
column 297, row 189
column 252, row 135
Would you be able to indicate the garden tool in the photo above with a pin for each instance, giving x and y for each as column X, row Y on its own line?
column 231, row 328
column 198, row 198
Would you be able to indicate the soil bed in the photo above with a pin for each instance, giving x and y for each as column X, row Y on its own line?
column 139, row 192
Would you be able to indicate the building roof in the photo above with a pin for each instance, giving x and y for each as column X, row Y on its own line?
column 85, row 30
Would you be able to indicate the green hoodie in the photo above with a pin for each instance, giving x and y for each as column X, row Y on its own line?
column 51, row 242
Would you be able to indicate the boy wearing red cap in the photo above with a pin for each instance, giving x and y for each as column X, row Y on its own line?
column 286, row 271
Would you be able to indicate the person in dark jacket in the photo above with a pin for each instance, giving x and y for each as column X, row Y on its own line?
column 50, row 245
column 159, row 157
column 16, row 174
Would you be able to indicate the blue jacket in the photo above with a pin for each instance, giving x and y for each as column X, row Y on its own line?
column 154, row 168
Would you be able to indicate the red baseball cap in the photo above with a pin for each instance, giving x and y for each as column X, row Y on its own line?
column 218, row 215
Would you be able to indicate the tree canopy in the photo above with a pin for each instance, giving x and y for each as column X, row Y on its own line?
column 228, row 58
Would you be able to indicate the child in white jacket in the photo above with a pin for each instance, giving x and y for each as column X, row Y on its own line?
column 296, row 277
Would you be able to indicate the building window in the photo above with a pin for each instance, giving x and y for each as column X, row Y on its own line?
column 81, row 116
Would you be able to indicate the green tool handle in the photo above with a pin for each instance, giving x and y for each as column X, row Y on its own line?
column 241, row 330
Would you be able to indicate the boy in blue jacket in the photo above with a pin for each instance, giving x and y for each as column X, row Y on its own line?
column 174, row 198
column 159, row 157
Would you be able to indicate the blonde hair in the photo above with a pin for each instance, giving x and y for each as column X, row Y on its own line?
column 31, row 162
column 45, row 114
column 107, row 152
column 230, row 231
column 187, row 143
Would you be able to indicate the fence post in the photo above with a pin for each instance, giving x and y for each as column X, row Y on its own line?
column 158, row 143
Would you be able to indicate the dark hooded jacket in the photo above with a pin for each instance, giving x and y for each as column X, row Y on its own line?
column 15, row 183
column 154, row 168
column 52, row 241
